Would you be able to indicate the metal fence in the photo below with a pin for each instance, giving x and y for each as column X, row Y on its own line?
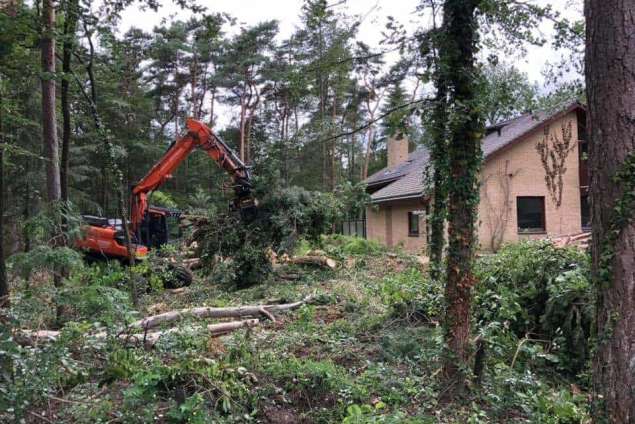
column 356, row 228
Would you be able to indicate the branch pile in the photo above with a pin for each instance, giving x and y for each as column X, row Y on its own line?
column 580, row 241
column 138, row 332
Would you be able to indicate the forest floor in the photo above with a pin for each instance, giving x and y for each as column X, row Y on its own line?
column 361, row 351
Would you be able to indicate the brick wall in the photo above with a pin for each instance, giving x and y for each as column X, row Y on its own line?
column 515, row 171
column 388, row 224
column 397, row 151
column 518, row 171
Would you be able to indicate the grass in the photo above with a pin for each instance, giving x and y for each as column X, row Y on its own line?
column 366, row 351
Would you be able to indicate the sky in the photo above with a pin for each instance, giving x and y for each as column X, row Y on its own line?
column 374, row 13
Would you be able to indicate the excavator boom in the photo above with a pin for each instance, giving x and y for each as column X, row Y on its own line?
column 201, row 136
column 149, row 224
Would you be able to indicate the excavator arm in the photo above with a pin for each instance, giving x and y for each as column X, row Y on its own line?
column 106, row 237
column 200, row 136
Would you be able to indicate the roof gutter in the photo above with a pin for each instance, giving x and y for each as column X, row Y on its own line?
column 400, row 197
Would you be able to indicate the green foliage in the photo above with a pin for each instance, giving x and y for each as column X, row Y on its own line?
column 344, row 246
column 307, row 379
column 45, row 258
column 160, row 198
column 236, row 249
column 226, row 387
column 396, row 123
column 506, row 93
column 538, row 291
column 527, row 393
column 412, row 296
column 97, row 294
column 354, row 198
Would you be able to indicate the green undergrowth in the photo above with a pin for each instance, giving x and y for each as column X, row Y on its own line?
column 367, row 349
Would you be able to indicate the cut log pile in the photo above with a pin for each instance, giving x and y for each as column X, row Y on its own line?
column 312, row 257
column 138, row 332
column 581, row 241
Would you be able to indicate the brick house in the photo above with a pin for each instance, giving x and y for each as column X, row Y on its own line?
column 533, row 184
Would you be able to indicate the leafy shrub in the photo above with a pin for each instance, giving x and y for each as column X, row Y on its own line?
column 204, row 386
column 309, row 380
column 161, row 198
column 45, row 258
column 538, row 291
column 411, row 295
column 525, row 393
column 284, row 217
column 97, row 294
column 341, row 245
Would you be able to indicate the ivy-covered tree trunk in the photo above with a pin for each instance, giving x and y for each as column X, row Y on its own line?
column 4, row 284
column 610, row 84
column 439, row 156
column 49, row 129
column 457, row 56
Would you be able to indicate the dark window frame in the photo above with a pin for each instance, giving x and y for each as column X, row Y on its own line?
column 585, row 204
column 410, row 232
column 541, row 230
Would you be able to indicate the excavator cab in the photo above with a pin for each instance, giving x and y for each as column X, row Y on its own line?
column 154, row 230
column 105, row 237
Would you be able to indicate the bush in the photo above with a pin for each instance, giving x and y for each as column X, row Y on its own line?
column 411, row 295
column 284, row 217
column 542, row 292
column 340, row 245
column 163, row 199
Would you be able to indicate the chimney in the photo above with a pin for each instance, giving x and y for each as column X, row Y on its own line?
column 397, row 150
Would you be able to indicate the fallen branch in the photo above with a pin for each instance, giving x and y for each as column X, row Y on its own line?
column 209, row 312
column 32, row 338
column 323, row 261
column 192, row 263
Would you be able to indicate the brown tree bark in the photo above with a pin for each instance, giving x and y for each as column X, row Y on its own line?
column 49, row 129
column 4, row 285
column 457, row 54
column 70, row 25
column 610, row 85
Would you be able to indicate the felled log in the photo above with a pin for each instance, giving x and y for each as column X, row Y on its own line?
column 581, row 241
column 323, row 261
column 32, row 338
column 210, row 312
column 215, row 330
column 192, row 263
column 228, row 327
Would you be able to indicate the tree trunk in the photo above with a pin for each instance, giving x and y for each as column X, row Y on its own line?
column 610, row 85
column 49, row 130
column 212, row 101
column 333, row 167
column 70, row 24
column 457, row 55
column 243, row 123
column 4, row 285
column 369, row 151
column 439, row 156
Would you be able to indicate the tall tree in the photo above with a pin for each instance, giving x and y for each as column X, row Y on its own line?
column 49, row 121
column 506, row 92
column 243, row 68
column 70, row 25
column 458, row 55
column 610, row 86
column 4, row 284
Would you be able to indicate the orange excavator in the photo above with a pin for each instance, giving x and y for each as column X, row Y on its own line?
column 148, row 226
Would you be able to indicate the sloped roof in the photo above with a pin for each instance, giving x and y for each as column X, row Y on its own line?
column 405, row 180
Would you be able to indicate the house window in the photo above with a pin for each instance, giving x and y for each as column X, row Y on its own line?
column 585, row 208
column 531, row 214
column 413, row 224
